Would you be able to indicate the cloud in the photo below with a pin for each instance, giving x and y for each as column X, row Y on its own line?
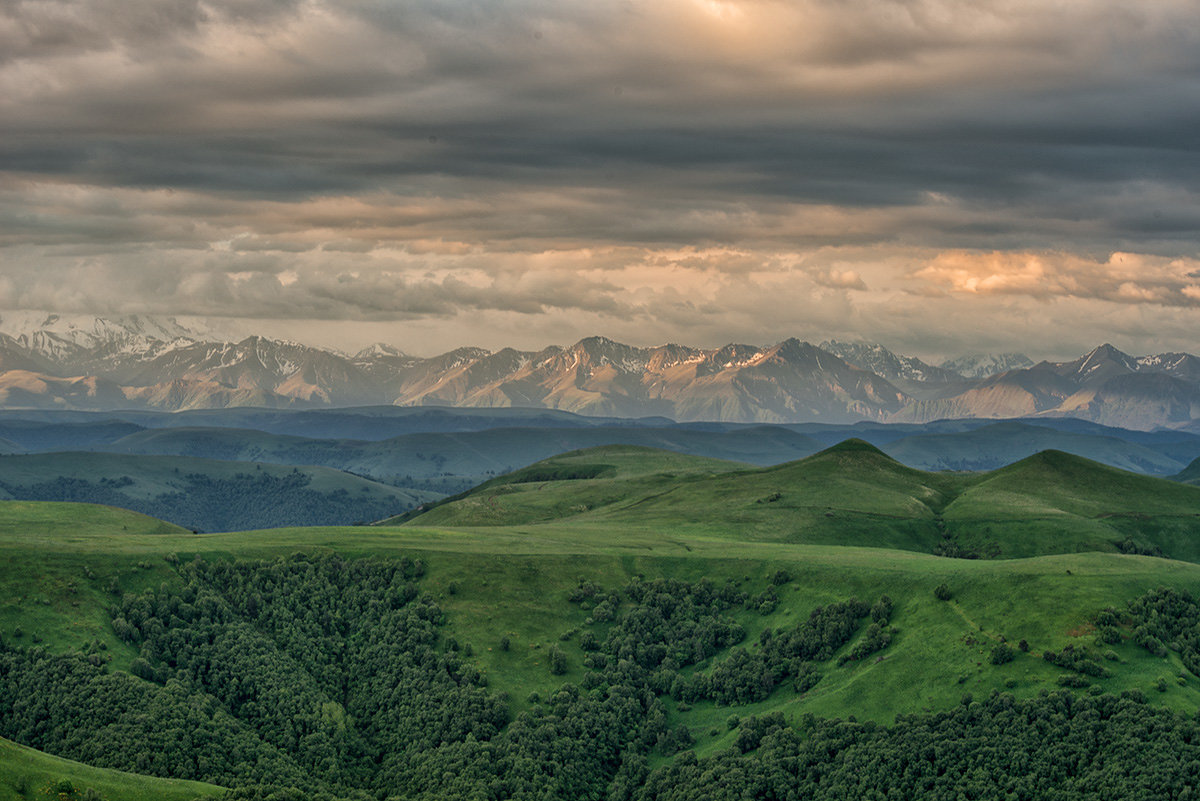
column 1120, row 278
column 841, row 279
column 686, row 166
column 858, row 103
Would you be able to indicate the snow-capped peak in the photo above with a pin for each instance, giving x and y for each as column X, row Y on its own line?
column 875, row 358
column 984, row 365
column 380, row 350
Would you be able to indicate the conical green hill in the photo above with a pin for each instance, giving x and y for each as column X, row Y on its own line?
column 1058, row 482
column 1054, row 502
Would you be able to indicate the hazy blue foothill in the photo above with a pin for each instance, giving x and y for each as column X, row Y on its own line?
column 205, row 476
column 206, row 494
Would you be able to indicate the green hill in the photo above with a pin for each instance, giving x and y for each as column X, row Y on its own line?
column 496, row 580
column 77, row 577
column 570, row 484
column 25, row 522
column 626, row 622
column 1056, row 502
column 205, row 494
column 1053, row 482
column 853, row 494
column 850, row 494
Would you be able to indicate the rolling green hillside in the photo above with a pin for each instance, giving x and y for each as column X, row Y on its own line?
column 613, row 618
column 1056, row 502
column 853, row 494
column 63, row 561
column 505, row 595
column 204, row 494
column 571, row 484
column 512, row 581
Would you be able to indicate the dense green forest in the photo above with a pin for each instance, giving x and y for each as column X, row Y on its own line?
column 321, row 677
column 1054, row 747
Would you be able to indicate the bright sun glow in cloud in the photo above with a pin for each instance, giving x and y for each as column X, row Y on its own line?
column 723, row 9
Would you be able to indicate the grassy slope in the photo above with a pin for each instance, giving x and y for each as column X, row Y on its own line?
column 515, row 581
column 574, row 483
column 47, row 551
column 1189, row 474
column 850, row 494
column 34, row 770
column 1054, row 501
column 510, row 573
column 853, row 494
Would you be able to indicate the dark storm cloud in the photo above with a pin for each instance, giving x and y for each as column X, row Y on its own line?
column 499, row 102
column 39, row 29
column 523, row 156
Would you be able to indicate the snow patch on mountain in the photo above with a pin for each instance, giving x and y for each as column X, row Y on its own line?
column 875, row 358
column 62, row 335
column 79, row 361
column 985, row 365
column 380, row 350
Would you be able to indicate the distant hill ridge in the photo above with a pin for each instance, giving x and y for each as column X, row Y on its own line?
column 205, row 494
column 849, row 494
column 54, row 362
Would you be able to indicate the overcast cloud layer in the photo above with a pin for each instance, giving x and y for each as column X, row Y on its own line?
column 938, row 175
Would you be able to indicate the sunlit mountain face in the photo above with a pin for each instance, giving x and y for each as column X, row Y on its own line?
column 946, row 178
column 94, row 364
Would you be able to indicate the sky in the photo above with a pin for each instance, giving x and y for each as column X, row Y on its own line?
column 939, row 176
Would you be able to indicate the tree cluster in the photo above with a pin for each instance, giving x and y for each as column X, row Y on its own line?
column 1057, row 747
column 1079, row 659
column 1167, row 618
column 791, row 654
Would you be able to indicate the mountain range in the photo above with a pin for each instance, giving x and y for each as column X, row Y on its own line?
column 92, row 363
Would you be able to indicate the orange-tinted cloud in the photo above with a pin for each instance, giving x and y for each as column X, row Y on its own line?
column 680, row 168
column 1121, row 277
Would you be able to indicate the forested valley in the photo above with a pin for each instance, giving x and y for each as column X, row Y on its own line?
column 326, row 677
